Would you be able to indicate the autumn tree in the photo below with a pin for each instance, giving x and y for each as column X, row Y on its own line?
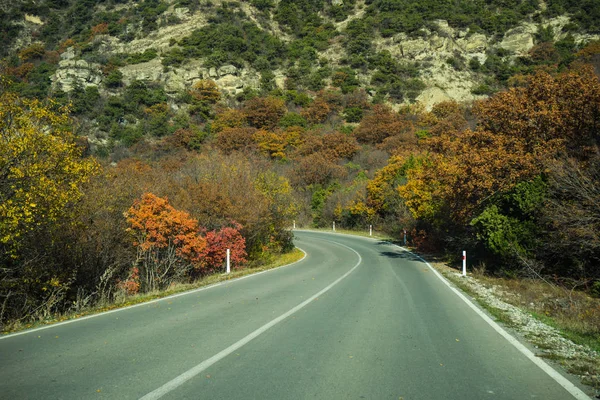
column 381, row 190
column 518, row 131
column 317, row 112
column 188, row 138
column 444, row 117
column 465, row 169
column 167, row 241
column 272, row 144
column 35, row 51
column 203, row 97
column 318, row 169
column 206, row 90
column 312, row 142
column 229, row 118
column 40, row 165
column 217, row 189
column 99, row 244
column 264, row 112
column 214, row 255
column 279, row 143
column 235, row 139
column 565, row 108
column 488, row 184
column 339, row 145
column 281, row 208
column 41, row 178
column 381, row 123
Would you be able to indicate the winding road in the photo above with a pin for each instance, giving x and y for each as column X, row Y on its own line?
column 355, row 319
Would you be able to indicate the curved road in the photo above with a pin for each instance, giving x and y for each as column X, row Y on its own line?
column 356, row 319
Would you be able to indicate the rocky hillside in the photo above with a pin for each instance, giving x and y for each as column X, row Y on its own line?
column 400, row 52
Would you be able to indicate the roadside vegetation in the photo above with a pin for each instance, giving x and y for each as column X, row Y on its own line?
column 125, row 298
column 123, row 187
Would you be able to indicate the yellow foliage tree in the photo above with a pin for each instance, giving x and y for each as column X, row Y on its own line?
column 277, row 144
column 229, row 118
column 465, row 169
column 41, row 168
column 381, row 193
column 206, row 90
column 270, row 143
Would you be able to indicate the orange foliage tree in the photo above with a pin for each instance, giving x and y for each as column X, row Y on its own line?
column 519, row 131
column 444, row 117
column 381, row 123
column 316, row 168
column 565, row 107
column 340, row 145
column 317, row 112
column 167, row 241
column 465, row 169
column 235, row 139
column 264, row 112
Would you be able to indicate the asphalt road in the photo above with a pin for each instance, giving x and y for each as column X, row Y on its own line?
column 356, row 319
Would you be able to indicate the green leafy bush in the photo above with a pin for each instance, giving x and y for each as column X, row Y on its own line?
column 138, row 58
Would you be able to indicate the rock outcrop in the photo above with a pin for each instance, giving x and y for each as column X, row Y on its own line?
column 520, row 39
column 229, row 78
column 72, row 73
column 438, row 46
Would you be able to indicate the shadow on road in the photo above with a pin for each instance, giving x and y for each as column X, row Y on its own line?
column 403, row 255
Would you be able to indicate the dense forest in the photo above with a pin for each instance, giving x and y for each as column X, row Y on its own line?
column 117, row 188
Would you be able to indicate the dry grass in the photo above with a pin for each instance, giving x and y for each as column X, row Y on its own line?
column 574, row 313
column 123, row 300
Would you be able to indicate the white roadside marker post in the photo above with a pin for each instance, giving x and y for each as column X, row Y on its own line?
column 370, row 230
column 464, row 260
column 228, row 261
column 294, row 224
column 334, row 226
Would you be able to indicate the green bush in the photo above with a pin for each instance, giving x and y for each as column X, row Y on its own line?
column 114, row 79
column 292, row 119
column 482, row 89
column 353, row 114
column 138, row 58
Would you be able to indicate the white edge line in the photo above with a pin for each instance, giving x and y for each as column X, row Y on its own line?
column 561, row 380
column 41, row 328
column 192, row 372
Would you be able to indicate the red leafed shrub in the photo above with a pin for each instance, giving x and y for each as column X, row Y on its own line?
column 214, row 254
column 132, row 284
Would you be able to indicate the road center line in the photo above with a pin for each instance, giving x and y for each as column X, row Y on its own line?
column 189, row 374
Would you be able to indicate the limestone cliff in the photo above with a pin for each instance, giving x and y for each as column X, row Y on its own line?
column 441, row 52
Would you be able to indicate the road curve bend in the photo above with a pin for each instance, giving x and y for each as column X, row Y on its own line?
column 357, row 318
